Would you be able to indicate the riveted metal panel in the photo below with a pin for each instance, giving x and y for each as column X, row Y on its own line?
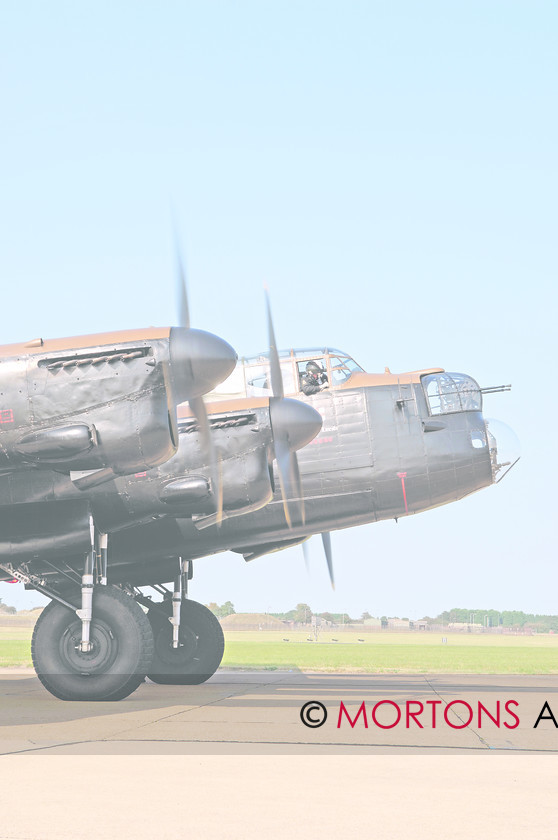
column 45, row 530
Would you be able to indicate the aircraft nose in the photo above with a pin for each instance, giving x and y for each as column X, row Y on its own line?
column 199, row 362
column 504, row 446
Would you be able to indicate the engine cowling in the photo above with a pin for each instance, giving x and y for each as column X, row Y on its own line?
column 103, row 402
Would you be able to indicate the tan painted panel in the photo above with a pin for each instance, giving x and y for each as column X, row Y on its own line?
column 368, row 380
column 55, row 345
column 357, row 380
column 225, row 406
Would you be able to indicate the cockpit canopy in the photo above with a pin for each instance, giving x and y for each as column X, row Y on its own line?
column 251, row 376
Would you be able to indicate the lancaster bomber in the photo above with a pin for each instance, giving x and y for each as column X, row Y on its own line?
column 106, row 489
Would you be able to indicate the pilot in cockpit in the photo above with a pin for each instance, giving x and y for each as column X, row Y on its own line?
column 314, row 379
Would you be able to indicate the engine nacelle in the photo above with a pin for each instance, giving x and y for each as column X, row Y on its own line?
column 104, row 402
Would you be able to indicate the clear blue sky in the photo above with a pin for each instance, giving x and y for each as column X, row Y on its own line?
column 388, row 168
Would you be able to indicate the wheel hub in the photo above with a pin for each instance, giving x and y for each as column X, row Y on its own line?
column 182, row 655
column 98, row 659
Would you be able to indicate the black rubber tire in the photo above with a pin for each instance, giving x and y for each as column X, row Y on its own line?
column 122, row 648
column 202, row 645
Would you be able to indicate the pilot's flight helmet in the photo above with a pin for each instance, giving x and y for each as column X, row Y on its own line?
column 312, row 367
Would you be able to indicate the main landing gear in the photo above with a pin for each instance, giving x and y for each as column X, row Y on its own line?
column 104, row 649
column 119, row 655
column 200, row 649
column 188, row 640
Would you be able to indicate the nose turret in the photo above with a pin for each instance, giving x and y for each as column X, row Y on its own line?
column 504, row 448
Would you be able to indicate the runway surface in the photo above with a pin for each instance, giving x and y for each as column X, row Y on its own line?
column 259, row 713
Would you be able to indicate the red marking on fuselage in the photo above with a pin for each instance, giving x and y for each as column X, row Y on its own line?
column 6, row 415
column 140, row 475
column 321, row 440
column 403, row 476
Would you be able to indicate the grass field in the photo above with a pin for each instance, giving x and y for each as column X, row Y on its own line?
column 386, row 653
column 394, row 653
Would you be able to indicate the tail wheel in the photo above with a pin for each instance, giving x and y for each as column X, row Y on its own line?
column 202, row 645
column 120, row 655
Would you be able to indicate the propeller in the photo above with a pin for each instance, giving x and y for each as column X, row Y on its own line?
column 293, row 424
column 181, row 290
column 199, row 360
column 306, row 554
column 275, row 367
column 215, row 359
column 326, row 541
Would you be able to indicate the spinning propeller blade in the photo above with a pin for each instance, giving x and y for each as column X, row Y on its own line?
column 198, row 360
column 306, row 553
column 293, row 425
column 275, row 367
column 197, row 403
column 181, row 290
column 285, row 458
column 208, row 448
column 326, row 540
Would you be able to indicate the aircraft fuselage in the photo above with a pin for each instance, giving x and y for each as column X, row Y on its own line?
column 381, row 454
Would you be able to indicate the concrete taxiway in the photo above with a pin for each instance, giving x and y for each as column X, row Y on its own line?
column 259, row 713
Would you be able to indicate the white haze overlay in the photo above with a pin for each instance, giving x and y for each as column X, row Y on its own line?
column 388, row 169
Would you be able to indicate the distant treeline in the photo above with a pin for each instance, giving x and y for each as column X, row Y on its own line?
column 511, row 619
column 303, row 613
column 507, row 619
